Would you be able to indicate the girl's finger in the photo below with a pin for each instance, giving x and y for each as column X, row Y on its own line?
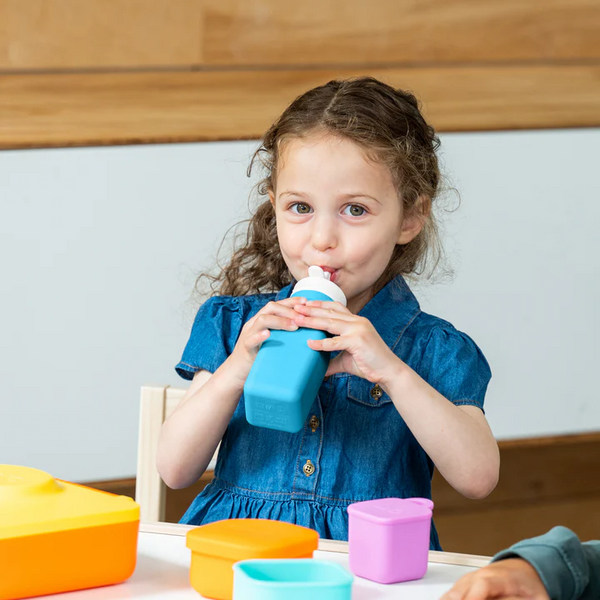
column 328, row 344
column 336, row 365
column 336, row 306
column 256, row 339
column 292, row 301
column 331, row 325
column 279, row 308
column 268, row 321
column 315, row 311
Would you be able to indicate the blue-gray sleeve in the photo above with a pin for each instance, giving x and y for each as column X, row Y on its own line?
column 568, row 569
column 215, row 331
column 454, row 365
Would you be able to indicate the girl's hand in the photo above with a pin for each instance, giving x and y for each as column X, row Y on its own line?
column 511, row 579
column 364, row 353
column 274, row 315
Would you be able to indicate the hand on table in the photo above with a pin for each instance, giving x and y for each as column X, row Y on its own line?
column 509, row 579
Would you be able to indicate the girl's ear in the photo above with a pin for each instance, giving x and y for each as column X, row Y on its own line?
column 272, row 198
column 413, row 222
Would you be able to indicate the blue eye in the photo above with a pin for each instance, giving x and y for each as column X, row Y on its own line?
column 300, row 208
column 355, row 210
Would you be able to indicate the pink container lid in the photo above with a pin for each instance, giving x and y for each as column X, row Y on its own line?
column 391, row 511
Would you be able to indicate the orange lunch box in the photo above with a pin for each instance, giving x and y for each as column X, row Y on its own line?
column 217, row 546
column 57, row 536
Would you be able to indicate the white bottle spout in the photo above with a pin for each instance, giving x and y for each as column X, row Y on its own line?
column 320, row 281
column 316, row 271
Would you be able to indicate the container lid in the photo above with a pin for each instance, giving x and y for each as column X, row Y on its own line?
column 390, row 511
column 238, row 539
column 33, row 502
column 318, row 281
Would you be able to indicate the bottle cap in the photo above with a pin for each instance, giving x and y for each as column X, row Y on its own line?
column 318, row 281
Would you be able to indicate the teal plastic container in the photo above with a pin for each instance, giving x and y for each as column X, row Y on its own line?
column 287, row 374
column 294, row 579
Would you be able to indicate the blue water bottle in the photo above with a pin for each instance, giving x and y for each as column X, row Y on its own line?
column 287, row 374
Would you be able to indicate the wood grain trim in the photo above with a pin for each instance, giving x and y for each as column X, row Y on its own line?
column 76, row 34
column 165, row 528
column 552, row 440
column 45, row 111
column 487, row 531
column 346, row 32
column 460, row 559
column 121, row 487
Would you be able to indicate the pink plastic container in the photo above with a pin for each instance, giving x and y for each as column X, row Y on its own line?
column 388, row 539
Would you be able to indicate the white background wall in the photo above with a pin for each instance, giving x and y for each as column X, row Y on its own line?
column 99, row 249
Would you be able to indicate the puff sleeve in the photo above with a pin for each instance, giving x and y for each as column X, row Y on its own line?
column 454, row 365
column 215, row 331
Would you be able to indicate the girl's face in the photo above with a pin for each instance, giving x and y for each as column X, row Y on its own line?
column 337, row 209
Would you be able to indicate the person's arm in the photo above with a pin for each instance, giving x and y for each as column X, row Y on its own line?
column 568, row 569
column 555, row 566
column 189, row 437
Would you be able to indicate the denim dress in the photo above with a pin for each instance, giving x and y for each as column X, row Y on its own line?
column 354, row 445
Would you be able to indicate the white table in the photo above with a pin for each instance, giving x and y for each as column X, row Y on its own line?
column 162, row 571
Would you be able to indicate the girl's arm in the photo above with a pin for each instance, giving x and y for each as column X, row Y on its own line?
column 189, row 437
column 456, row 438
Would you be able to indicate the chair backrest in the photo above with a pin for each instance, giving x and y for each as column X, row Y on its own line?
column 157, row 402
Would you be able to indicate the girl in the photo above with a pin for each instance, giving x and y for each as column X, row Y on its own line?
column 351, row 172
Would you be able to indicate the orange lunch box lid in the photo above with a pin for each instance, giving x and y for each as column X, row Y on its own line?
column 33, row 502
column 238, row 539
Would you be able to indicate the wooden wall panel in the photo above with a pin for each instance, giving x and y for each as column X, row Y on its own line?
column 489, row 531
column 395, row 32
column 78, row 34
column 132, row 108
column 74, row 34
column 543, row 482
column 535, row 470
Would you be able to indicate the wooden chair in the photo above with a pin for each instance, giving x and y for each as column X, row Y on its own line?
column 156, row 404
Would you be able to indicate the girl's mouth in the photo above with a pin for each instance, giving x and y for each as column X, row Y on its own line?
column 333, row 273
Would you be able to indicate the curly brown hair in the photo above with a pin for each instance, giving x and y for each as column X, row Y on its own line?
column 388, row 125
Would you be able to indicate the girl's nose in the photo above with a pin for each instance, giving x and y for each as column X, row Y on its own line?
column 324, row 236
